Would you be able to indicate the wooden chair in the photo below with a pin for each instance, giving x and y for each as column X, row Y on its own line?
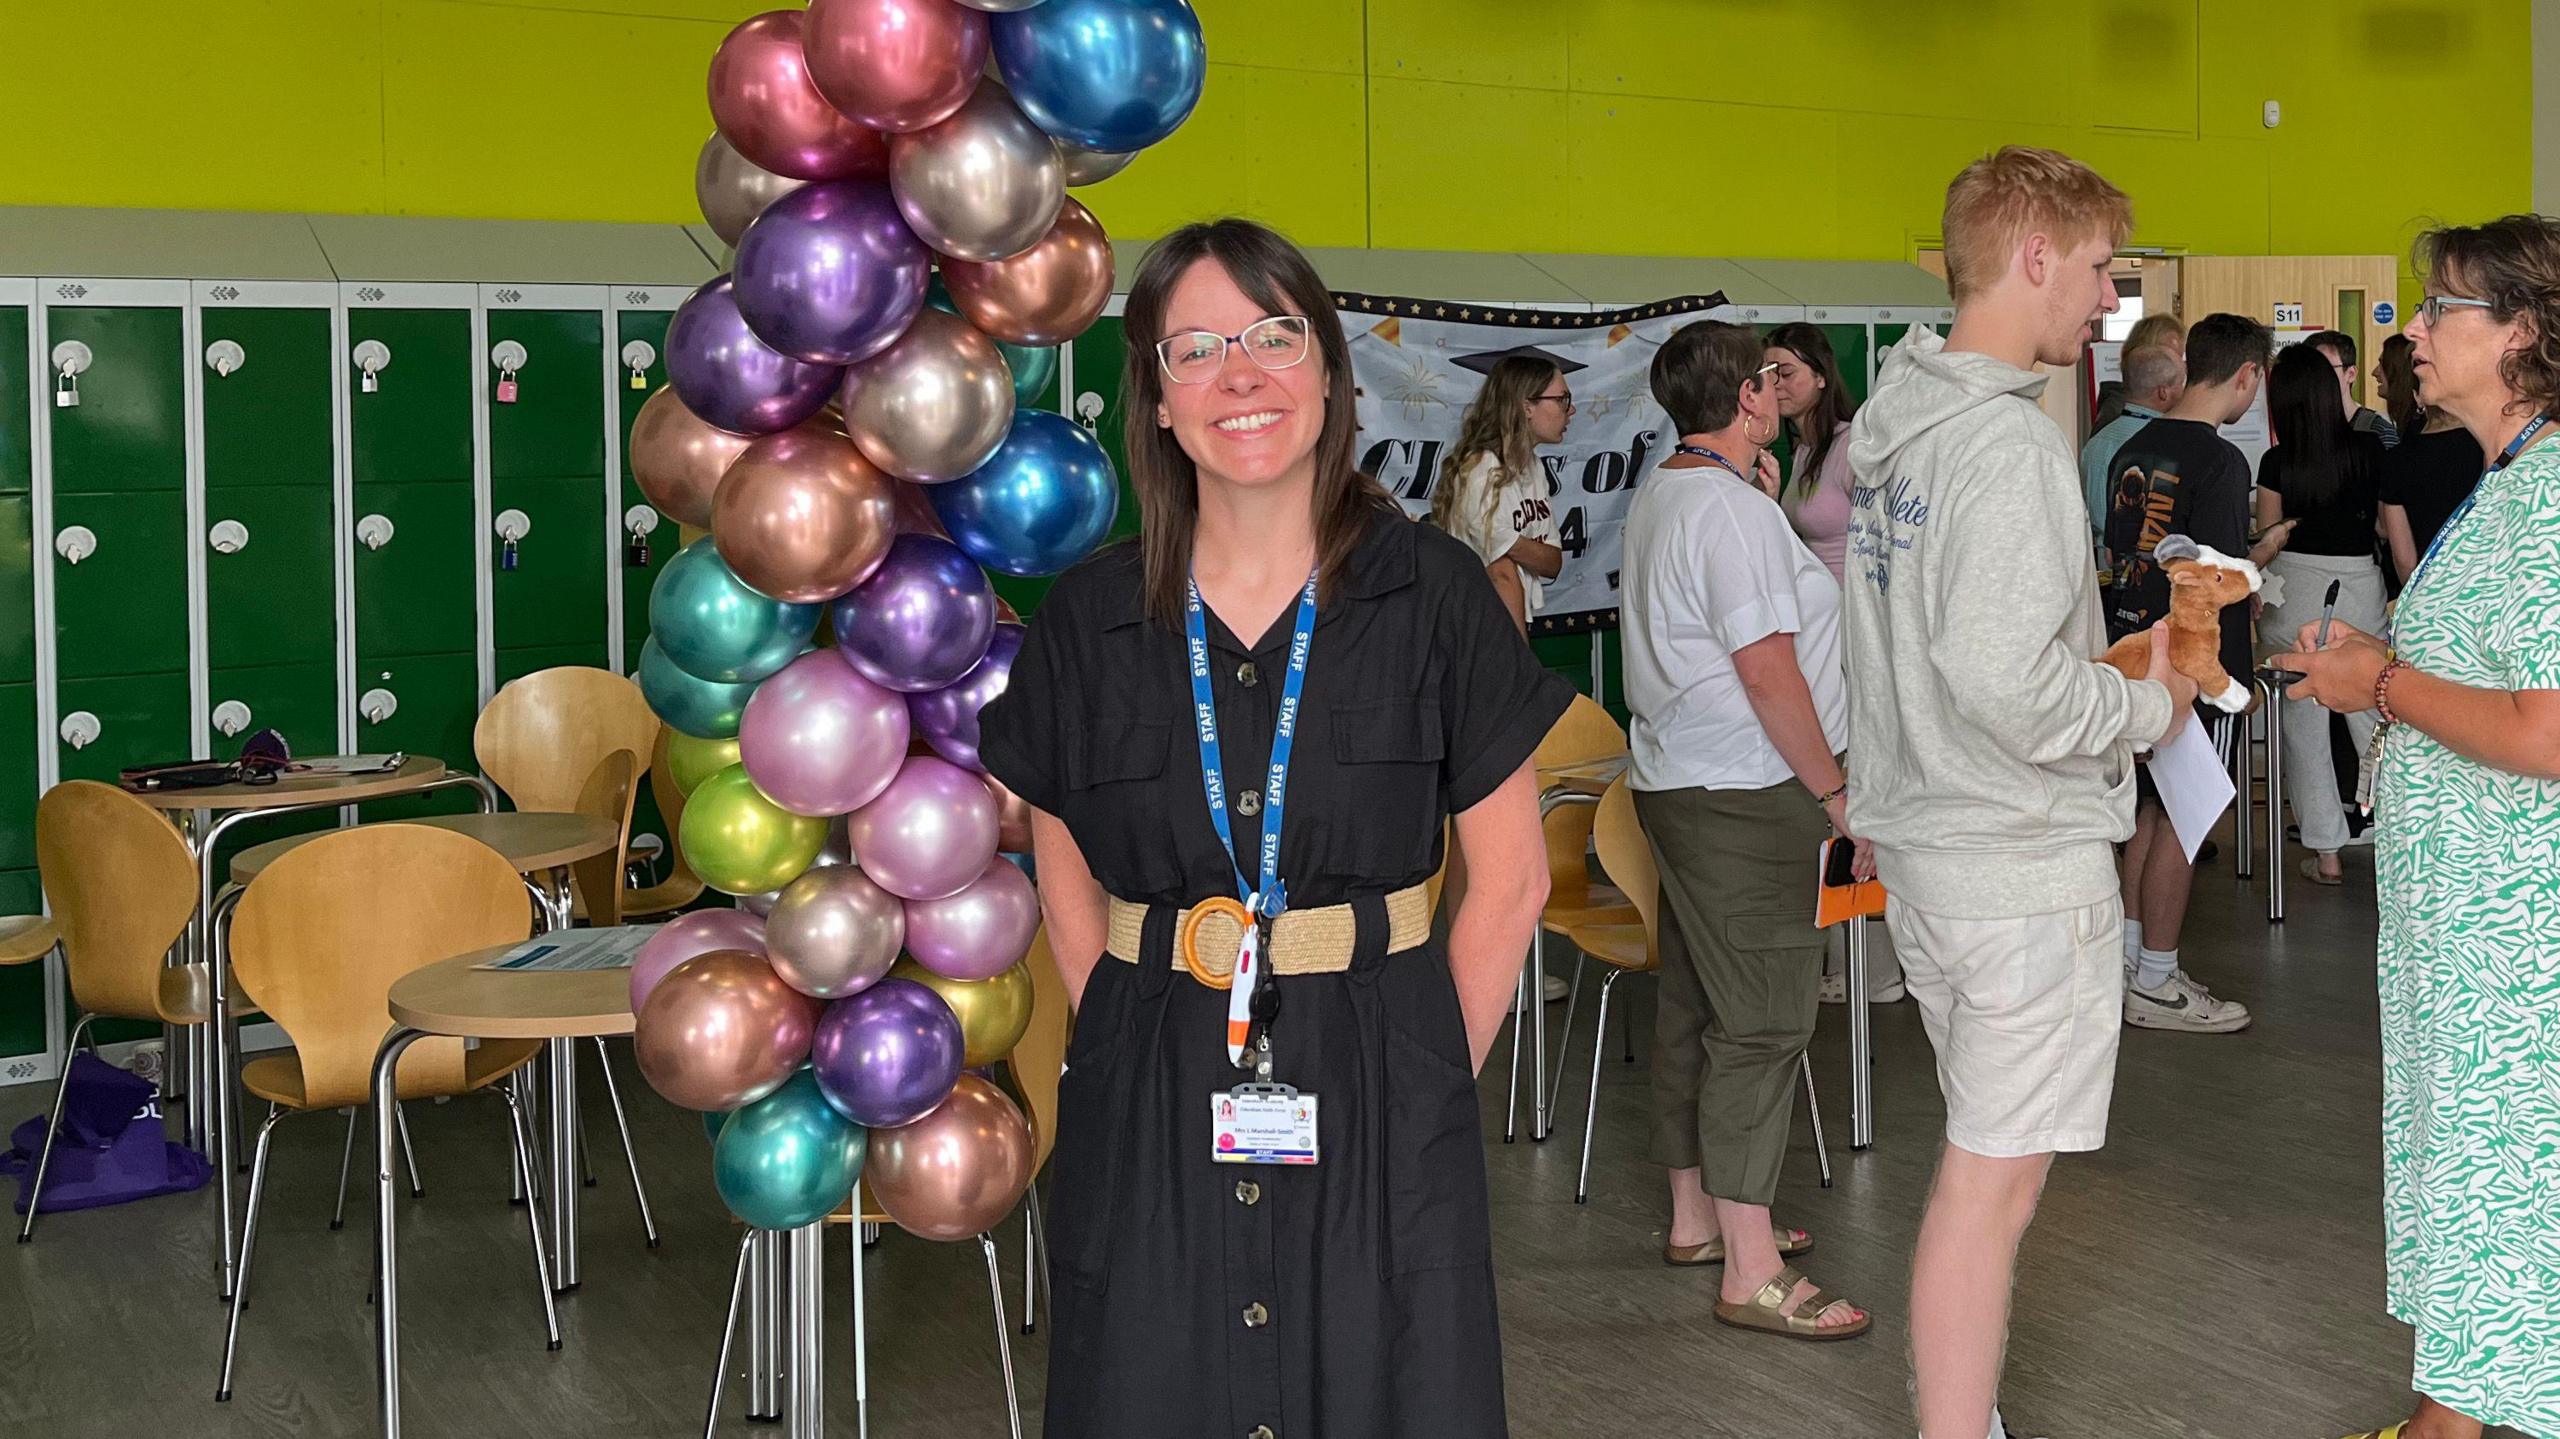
column 542, row 737
column 1584, row 734
column 1636, row 949
column 122, row 887
column 609, row 793
column 317, row 942
column 26, row 938
column 681, row 886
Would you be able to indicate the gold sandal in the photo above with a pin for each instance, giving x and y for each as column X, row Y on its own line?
column 1791, row 1242
column 1767, row 1312
column 2391, row 1433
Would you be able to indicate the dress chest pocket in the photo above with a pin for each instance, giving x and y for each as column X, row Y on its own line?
column 1117, row 800
column 1388, row 755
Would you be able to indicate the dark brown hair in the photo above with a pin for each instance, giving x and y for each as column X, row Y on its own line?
column 1831, row 409
column 1273, row 274
column 2514, row 264
column 1699, row 372
column 2395, row 370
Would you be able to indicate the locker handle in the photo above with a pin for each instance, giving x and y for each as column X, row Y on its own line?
column 374, row 530
column 80, row 729
column 76, row 543
column 231, row 717
column 225, row 357
column 228, row 537
column 378, row 705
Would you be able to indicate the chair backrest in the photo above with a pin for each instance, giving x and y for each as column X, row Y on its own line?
column 1626, row 858
column 122, row 887
column 1583, row 733
column 609, row 793
column 681, row 886
column 1041, row 1054
column 1567, row 830
column 542, row 736
column 326, row 930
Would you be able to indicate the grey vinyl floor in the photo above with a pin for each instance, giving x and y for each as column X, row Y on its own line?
column 2216, row 1271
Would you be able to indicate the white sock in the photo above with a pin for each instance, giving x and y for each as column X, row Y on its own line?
column 1998, row 1429
column 2132, row 938
column 2154, row 967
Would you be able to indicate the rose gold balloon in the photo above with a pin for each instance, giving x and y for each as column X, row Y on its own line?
column 1013, row 818
column 732, row 189
column 958, row 1170
column 677, row 460
column 895, row 65
column 915, row 513
column 722, row 1030
column 802, row 516
column 1048, row 294
column 763, row 102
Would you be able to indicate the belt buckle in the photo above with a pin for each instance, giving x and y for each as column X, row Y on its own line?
column 1187, row 943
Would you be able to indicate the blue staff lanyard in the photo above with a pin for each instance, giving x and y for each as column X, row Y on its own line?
column 1269, row 898
column 2505, row 458
column 1711, row 457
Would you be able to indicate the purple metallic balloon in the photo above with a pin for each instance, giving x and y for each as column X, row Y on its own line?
column 830, row 273
column 687, row 935
column 819, row 739
column 929, row 833
column 730, row 379
column 889, row 1054
column 980, row 932
column 922, row 621
column 947, row 718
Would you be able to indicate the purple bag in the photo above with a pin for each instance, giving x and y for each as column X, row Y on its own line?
column 106, row 1152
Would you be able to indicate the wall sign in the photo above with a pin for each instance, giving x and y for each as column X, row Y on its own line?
column 2288, row 314
column 2384, row 312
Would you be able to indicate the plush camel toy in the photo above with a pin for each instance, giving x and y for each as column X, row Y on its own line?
column 2201, row 581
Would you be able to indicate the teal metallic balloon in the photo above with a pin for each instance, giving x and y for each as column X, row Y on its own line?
column 788, row 1159
column 704, row 709
column 712, row 1119
column 1034, row 366
column 711, row 626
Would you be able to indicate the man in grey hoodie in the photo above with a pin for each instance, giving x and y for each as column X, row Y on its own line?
column 1990, row 757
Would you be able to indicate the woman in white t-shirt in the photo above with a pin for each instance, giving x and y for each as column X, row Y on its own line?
column 1492, row 493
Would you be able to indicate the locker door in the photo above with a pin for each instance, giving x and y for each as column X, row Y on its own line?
column 406, row 586
column 432, row 702
column 129, row 720
column 21, row 986
column 546, row 464
column 17, row 783
column 129, row 430
column 554, row 597
column 270, row 575
column 1849, row 345
column 122, row 609
column 416, row 423
column 17, row 581
column 648, row 327
column 298, row 701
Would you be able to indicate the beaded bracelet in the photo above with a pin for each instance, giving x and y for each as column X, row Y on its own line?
column 2382, row 690
column 1823, row 799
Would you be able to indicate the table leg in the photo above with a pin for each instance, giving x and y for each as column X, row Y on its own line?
column 218, row 1100
column 561, row 1067
column 804, row 1355
column 764, row 1329
column 1862, row 1043
column 386, row 1249
column 2275, row 805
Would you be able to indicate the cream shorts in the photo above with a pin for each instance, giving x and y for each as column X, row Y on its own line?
column 2024, row 1015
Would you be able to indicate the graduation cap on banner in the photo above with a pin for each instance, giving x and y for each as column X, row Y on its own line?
column 1484, row 361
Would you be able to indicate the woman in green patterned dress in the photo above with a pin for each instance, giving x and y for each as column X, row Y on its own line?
column 2467, row 685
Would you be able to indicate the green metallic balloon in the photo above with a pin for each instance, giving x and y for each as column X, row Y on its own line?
column 788, row 1159
column 742, row 843
column 712, row 1119
column 1033, row 366
column 704, row 709
column 690, row 761
column 711, row 626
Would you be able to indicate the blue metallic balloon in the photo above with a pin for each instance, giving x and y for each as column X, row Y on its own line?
column 730, row 379
column 830, row 273
column 1043, row 502
column 710, row 625
column 704, row 709
column 1034, row 366
column 789, row 1159
column 1103, row 74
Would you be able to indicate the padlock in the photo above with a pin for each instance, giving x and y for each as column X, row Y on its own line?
column 639, row 379
column 639, row 552
column 507, row 393
column 506, row 554
column 66, row 391
column 372, row 382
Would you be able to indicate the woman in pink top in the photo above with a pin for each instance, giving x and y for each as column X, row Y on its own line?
column 1817, row 407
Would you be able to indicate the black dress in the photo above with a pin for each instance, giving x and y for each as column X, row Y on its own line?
column 1353, row 1299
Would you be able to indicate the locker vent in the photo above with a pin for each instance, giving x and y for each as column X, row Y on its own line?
column 70, row 292
column 368, row 294
column 226, row 292
column 635, row 297
column 509, row 297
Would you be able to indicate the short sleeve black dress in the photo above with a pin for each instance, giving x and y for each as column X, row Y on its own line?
column 1353, row 1299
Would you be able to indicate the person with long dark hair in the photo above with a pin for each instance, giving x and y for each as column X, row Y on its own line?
column 1816, row 404
column 1280, row 655
column 2318, row 497
column 2428, row 475
column 1492, row 493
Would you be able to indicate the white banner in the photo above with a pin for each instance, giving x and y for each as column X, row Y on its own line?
column 1409, row 357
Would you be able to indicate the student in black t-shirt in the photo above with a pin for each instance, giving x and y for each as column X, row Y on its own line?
column 2178, row 476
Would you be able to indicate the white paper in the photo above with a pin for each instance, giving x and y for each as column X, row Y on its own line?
column 2194, row 786
column 349, row 764
column 570, row 950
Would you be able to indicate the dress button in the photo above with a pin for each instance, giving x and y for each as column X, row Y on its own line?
column 1260, row 1431
column 1249, row 803
column 1247, row 675
column 1255, row 1316
column 1248, row 1192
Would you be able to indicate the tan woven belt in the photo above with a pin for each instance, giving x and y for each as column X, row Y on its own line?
column 1303, row 941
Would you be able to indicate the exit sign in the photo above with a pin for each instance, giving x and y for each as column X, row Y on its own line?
column 2288, row 314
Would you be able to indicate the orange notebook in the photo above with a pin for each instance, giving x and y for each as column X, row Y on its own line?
column 1834, row 903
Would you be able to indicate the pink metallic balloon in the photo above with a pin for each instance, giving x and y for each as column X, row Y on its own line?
column 934, row 405
column 1048, row 294
column 1013, row 818
column 957, row 1171
column 895, row 65
column 687, row 935
column 821, row 740
column 677, row 459
column 763, row 103
column 915, row 513
column 802, row 516
column 980, row 932
column 833, row 932
column 929, row 833
column 722, row 1030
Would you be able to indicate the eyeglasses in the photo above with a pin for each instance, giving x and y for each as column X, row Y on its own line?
column 1197, row 356
column 1564, row 400
column 2433, row 307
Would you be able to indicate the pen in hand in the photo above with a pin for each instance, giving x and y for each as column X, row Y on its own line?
column 2328, row 612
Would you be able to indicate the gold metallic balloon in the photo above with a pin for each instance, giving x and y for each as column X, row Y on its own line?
column 958, row 1170
column 1048, row 294
column 802, row 516
column 733, row 189
column 690, row 761
column 722, row 1030
column 994, row 1013
column 934, row 405
column 741, row 842
column 677, row 460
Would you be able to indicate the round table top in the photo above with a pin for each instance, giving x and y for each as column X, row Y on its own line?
column 452, row 997
column 1588, row 777
column 530, row 842
column 290, row 789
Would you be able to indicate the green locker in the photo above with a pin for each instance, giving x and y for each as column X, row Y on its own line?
column 268, row 422
column 554, row 428
column 413, row 590
column 17, row 782
column 434, row 700
column 21, row 986
column 17, row 452
column 17, row 584
column 646, row 327
column 547, row 479
column 555, row 594
column 1849, row 346
column 415, row 425
column 516, row 664
column 129, row 431
column 270, row 575
column 122, row 608
column 298, row 700
column 130, row 720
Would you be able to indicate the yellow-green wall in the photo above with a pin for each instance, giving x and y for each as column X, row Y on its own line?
column 1821, row 128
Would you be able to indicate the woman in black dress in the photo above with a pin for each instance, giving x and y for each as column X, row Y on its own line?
column 1350, row 1298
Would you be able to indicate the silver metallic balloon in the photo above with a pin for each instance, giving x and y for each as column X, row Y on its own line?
column 934, row 405
column 759, row 905
column 1092, row 167
column 733, row 189
column 982, row 185
column 834, row 932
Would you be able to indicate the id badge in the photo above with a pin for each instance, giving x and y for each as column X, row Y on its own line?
column 1262, row 1124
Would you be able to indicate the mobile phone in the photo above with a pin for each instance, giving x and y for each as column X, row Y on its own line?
column 1839, row 864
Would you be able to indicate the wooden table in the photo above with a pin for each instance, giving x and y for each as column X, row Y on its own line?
column 533, row 843
column 1590, row 777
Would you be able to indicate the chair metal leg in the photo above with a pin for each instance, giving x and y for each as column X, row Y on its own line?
column 728, row 1333
column 1813, row 1108
column 1591, row 1114
column 408, row 1151
column 44, row 1156
column 346, row 1163
column 1564, row 1041
column 1519, row 1029
column 630, row 1156
column 521, row 1134
column 1542, row 1120
column 1030, row 1262
column 861, row 1340
column 248, row 1246
column 1627, row 1033
column 1004, row 1339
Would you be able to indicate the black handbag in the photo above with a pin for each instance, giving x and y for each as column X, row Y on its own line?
column 263, row 758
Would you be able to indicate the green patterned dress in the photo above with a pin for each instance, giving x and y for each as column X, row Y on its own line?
column 2469, row 859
